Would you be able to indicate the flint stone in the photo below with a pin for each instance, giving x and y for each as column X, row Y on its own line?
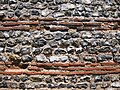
column 115, row 85
column 39, row 42
column 22, row 86
column 27, row 58
column 117, row 58
column 53, row 58
column 13, row 85
column 1, row 34
column 36, row 51
column 82, row 85
column 41, row 58
column 25, row 50
column 67, row 6
column 48, row 36
column 59, row 51
column 53, row 44
column 102, row 57
column 1, row 49
column 58, row 14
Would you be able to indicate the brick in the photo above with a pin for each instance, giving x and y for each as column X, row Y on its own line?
column 70, row 23
column 80, row 19
column 34, row 68
column 20, row 23
column 108, row 63
column 47, row 19
column 10, row 19
column 92, row 23
column 58, row 28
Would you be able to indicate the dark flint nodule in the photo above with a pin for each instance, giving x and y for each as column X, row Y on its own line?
column 25, row 50
column 11, row 43
column 58, row 79
column 67, row 36
column 48, row 36
column 106, row 78
column 12, row 1
column 1, row 78
column 103, row 57
column 82, row 85
column 75, row 35
column 61, row 85
column 22, row 86
column 92, row 50
column 104, row 49
column 3, row 84
column 47, row 51
column 70, row 86
column 24, row 0
column 23, row 79
column 34, row 1
column 99, row 35
column 27, row 58
column 48, row 80
column 39, row 42
column 20, row 6
column 75, row 43
column 59, row 51
column 35, row 12
column 26, row 42
column 73, row 80
column 9, row 49
column 52, row 85
column 98, row 79
column 36, row 79
column 64, row 43
column 89, row 58
column 37, row 51
column 23, row 65
column 117, row 58
column 18, row 13
column 17, row 78
column 58, row 36
column 7, row 78
column 53, row 44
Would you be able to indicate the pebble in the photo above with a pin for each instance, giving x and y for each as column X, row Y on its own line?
column 13, row 85
column 25, row 50
column 53, row 44
column 53, row 58
column 67, row 6
column 17, row 78
column 117, row 58
column 58, row 14
column 89, row 58
column 115, row 85
column 27, row 58
column 36, row 51
column 59, row 51
column 41, row 58
column 58, row 35
column 82, row 85
column 39, row 42
column 48, row 36
column 22, row 86
column 45, row 12
column 1, row 34
column 63, row 58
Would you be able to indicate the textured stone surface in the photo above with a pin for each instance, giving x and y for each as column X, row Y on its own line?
column 60, row 44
